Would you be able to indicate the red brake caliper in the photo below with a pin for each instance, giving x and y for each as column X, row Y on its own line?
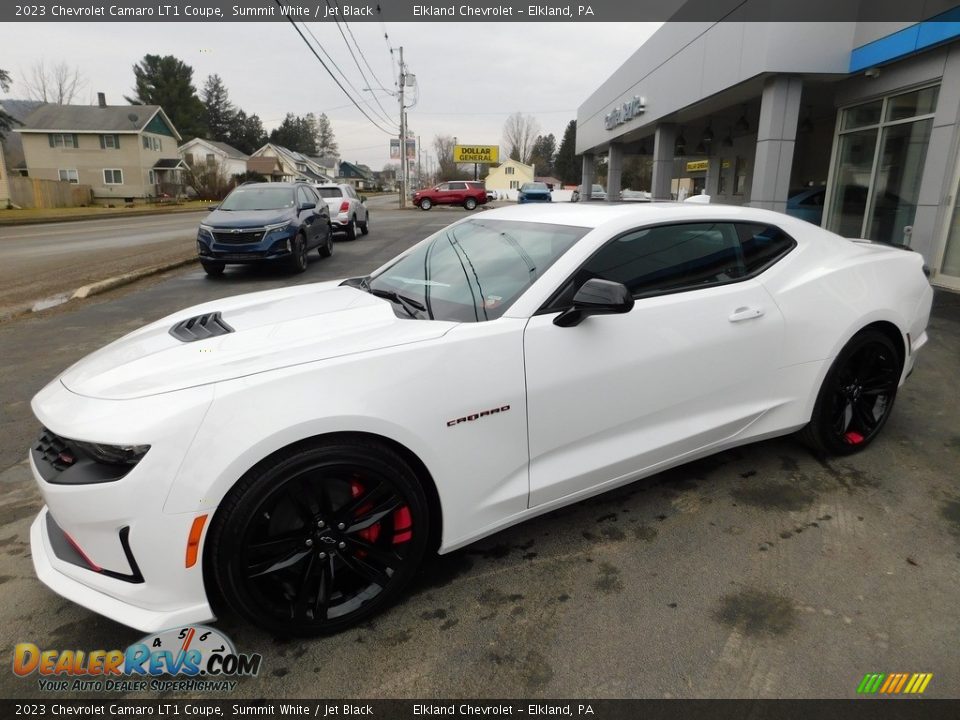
column 402, row 521
column 854, row 438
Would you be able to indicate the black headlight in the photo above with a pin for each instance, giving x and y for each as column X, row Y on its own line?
column 113, row 454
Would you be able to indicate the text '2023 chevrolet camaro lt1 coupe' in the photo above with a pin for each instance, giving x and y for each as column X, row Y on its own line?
column 296, row 452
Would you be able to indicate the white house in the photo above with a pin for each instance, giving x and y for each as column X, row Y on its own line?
column 280, row 164
column 200, row 152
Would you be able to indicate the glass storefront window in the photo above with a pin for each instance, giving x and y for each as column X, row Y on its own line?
column 877, row 170
column 897, row 186
column 854, row 165
column 912, row 104
column 862, row 115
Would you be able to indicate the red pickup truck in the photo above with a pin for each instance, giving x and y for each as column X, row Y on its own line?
column 455, row 192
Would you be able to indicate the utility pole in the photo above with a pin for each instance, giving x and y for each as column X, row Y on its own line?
column 419, row 163
column 403, row 136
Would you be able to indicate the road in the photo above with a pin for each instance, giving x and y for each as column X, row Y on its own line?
column 38, row 262
column 760, row 572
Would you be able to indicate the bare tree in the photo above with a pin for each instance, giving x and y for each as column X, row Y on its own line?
column 59, row 84
column 448, row 169
column 208, row 179
column 519, row 134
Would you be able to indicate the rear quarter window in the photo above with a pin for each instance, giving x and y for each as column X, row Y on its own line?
column 762, row 245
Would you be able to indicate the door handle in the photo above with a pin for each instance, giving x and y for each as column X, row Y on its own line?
column 745, row 313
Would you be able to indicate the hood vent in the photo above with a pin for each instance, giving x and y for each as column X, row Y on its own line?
column 200, row 327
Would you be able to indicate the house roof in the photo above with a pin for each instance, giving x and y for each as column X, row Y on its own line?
column 263, row 165
column 229, row 150
column 92, row 118
column 168, row 163
column 360, row 170
column 326, row 161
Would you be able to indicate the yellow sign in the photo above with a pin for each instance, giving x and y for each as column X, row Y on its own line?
column 697, row 165
column 485, row 154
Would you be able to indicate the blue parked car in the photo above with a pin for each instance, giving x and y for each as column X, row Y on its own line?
column 534, row 192
column 265, row 222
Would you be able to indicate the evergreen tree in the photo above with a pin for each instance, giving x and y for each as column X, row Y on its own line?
column 567, row 163
column 542, row 155
column 326, row 144
column 220, row 112
column 246, row 132
column 296, row 133
column 6, row 120
column 168, row 82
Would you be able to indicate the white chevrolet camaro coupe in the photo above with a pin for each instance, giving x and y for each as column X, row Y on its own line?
column 296, row 452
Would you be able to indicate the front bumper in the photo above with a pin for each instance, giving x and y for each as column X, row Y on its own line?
column 273, row 246
column 60, row 576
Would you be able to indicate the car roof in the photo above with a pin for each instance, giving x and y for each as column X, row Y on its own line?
column 593, row 215
column 290, row 185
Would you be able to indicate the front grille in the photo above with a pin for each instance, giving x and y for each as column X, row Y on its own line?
column 200, row 327
column 244, row 237
column 55, row 451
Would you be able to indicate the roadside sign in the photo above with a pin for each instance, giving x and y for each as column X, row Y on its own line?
column 482, row 154
column 395, row 148
column 697, row 165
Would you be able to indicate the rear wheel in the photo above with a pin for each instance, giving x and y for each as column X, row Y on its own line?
column 470, row 203
column 326, row 247
column 316, row 539
column 425, row 204
column 213, row 268
column 856, row 397
column 365, row 225
column 352, row 228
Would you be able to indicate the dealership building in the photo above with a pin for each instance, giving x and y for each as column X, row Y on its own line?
column 854, row 126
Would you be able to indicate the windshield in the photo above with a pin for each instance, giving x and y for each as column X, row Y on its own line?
column 329, row 192
column 258, row 198
column 532, row 187
column 474, row 271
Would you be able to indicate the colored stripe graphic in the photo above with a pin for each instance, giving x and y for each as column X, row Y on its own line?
column 894, row 683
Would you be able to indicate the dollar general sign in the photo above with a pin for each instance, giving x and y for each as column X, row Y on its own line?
column 487, row 154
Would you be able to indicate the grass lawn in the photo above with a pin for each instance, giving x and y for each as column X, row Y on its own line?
column 59, row 214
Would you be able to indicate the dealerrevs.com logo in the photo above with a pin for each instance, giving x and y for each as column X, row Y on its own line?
column 187, row 659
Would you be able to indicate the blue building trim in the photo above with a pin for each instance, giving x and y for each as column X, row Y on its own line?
column 920, row 36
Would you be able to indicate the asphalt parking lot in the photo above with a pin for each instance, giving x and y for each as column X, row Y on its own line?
column 760, row 572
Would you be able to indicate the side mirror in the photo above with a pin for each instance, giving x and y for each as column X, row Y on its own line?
column 363, row 198
column 596, row 297
column 308, row 206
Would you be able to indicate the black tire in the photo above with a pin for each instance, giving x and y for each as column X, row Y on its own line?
column 365, row 225
column 469, row 204
column 352, row 228
column 213, row 268
column 426, row 204
column 326, row 247
column 298, row 254
column 856, row 397
column 281, row 551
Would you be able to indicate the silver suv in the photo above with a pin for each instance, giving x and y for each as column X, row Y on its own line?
column 348, row 214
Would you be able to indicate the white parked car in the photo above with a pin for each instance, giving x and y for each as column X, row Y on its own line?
column 348, row 211
column 296, row 452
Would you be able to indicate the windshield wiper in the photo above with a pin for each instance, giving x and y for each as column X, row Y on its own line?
column 408, row 304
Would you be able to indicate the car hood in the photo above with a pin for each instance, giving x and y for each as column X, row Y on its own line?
column 271, row 330
column 247, row 218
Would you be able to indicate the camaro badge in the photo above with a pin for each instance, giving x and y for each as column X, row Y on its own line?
column 477, row 415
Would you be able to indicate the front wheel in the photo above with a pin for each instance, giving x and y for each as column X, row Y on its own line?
column 469, row 204
column 326, row 249
column 316, row 539
column 298, row 254
column 213, row 268
column 856, row 397
column 425, row 204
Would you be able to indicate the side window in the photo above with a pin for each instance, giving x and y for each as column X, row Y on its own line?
column 444, row 186
column 667, row 258
column 303, row 196
column 458, row 186
column 762, row 245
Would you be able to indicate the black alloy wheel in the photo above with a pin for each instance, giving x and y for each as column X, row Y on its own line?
column 213, row 268
column 857, row 395
column 470, row 203
column 326, row 248
column 298, row 254
column 319, row 538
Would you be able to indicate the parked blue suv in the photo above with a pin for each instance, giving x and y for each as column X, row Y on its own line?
column 265, row 222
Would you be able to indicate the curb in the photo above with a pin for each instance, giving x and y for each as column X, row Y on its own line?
column 98, row 287
column 102, row 216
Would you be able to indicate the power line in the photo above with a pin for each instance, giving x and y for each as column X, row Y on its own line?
column 380, row 116
column 386, row 39
column 365, row 61
column 332, row 76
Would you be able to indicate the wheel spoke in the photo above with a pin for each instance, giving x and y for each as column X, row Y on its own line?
column 375, row 504
column 376, row 514
column 387, row 558
column 365, row 570
column 301, row 601
column 303, row 500
column 864, row 416
column 323, row 591
column 270, row 566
